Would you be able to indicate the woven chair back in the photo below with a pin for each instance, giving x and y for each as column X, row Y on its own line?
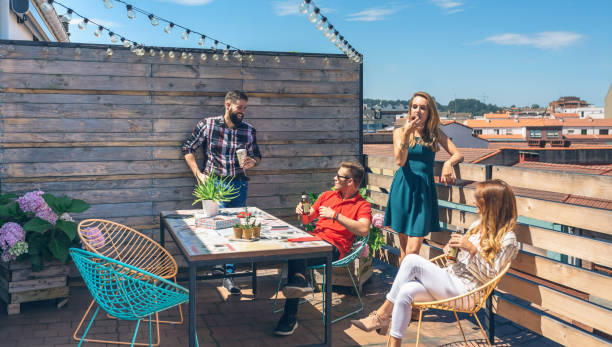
column 120, row 242
column 125, row 291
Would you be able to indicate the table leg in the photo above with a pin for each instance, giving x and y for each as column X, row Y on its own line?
column 328, row 301
column 162, row 232
column 254, row 278
column 192, row 305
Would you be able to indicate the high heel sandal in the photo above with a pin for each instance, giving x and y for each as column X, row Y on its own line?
column 373, row 322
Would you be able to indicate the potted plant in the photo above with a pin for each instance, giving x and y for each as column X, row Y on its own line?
column 213, row 190
column 36, row 232
column 248, row 224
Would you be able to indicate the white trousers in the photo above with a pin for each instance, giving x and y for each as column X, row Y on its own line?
column 418, row 280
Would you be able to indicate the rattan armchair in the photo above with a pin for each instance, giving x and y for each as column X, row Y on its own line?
column 122, row 243
column 468, row 303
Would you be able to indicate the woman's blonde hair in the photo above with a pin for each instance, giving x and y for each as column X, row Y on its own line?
column 429, row 136
column 497, row 205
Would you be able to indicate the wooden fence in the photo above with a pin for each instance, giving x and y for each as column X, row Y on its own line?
column 108, row 130
column 566, row 303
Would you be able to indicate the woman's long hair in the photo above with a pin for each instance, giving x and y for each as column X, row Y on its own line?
column 429, row 135
column 497, row 205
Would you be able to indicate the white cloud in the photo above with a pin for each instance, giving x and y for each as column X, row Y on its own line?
column 372, row 14
column 105, row 23
column 543, row 40
column 190, row 2
column 449, row 6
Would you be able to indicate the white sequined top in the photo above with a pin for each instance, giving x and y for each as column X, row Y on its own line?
column 474, row 271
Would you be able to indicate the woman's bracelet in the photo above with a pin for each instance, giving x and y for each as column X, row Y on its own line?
column 336, row 216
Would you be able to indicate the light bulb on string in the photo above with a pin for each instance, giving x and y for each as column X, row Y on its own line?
column 114, row 38
column 333, row 36
column 313, row 15
column 326, row 60
column 130, row 11
column 226, row 53
column 213, row 47
column 109, row 52
column 237, row 55
column 201, row 40
column 190, row 56
column 83, row 24
column 77, row 51
column 108, row 3
column 328, row 31
column 251, row 58
column 304, row 6
column 171, row 54
column 168, row 28
column 46, row 6
column 126, row 43
column 162, row 53
column 185, row 34
column 154, row 21
column 133, row 48
column 151, row 52
column 321, row 23
column 68, row 15
column 302, row 60
column 183, row 55
column 98, row 31
column 203, row 56
column 277, row 59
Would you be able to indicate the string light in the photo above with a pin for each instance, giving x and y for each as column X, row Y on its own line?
column 130, row 12
column 226, row 53
column 109, row 52
column 154, row 21
column 185, row 35
column 183, row 55
column 77, row 51
column 151, row 52
column 98, row 32
column 108, row 4
column 322, row 23
column 203, row 56
column 302, row 60
column 304, row 6
column 213, row 47
column 201, row 40
column 126, row 43
column 161, row 53
column 114, row 38
column 171, row 54
column 276, row 59
column 68, row 14
column 83, row 24
column 237, row 56
column 168, row 28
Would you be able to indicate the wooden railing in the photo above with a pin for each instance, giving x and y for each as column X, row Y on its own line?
column 567, row 302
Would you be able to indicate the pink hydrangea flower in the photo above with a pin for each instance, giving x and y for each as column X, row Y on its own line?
column 10, row 234
column 33, row 202
column 378, row 219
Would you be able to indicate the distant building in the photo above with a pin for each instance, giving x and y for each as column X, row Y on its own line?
column 566, row 102
column 35, row 25
column 585, row 112
column 462, row 135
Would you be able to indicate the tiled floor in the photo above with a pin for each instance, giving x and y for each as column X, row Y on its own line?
column 231, row 321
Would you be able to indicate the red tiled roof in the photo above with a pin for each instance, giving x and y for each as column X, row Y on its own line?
column 470, row 154
column 565, row 115
column 588, row 137
column 497, row 115
column 536, row 122
column 493, row 136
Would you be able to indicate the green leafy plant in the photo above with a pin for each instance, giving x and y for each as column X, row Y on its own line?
column 215, row 188
column 37, row 226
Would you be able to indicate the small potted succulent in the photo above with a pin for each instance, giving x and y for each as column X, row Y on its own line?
column 213, row 190
column 248, row 225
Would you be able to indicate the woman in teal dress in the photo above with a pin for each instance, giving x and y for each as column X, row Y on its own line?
column 412, row 207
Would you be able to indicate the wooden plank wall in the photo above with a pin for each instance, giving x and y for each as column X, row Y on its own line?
column 567, row 294
column 108, row 130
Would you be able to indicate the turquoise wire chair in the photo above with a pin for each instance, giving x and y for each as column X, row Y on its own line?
column 344, row 262
column 124, row 291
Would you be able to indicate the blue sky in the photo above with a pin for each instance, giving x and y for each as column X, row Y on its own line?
column 503, row 51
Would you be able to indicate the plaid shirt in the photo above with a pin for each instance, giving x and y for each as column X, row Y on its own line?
column 220, row 143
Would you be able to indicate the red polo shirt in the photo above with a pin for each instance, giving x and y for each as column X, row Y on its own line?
column 332, row 231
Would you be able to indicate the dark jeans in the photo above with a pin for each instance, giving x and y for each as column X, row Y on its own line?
column 298, row 266
column 239, row 201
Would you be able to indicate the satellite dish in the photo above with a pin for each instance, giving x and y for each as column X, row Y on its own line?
column 20, row 6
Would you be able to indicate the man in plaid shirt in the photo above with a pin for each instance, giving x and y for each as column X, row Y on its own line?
column 220, row 137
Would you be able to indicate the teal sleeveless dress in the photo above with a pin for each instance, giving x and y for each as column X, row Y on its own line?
column 412, row 207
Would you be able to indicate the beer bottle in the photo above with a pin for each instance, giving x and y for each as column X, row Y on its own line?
column 305, row 203
column 452, row 254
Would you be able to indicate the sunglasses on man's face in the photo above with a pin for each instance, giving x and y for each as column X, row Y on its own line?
column 345, row 177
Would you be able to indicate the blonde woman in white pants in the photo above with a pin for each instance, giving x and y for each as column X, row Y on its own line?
column 486, row 248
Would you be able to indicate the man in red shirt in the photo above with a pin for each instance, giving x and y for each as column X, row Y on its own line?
column 342, row 213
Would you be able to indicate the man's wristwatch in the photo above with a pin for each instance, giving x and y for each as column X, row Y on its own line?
column 336, row 216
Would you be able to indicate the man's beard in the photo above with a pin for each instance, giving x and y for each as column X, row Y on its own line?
column 234, row 118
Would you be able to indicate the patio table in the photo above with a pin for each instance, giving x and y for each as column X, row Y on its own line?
column 205, row 247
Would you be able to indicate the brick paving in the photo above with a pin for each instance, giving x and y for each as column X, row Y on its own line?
column 245, row 321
